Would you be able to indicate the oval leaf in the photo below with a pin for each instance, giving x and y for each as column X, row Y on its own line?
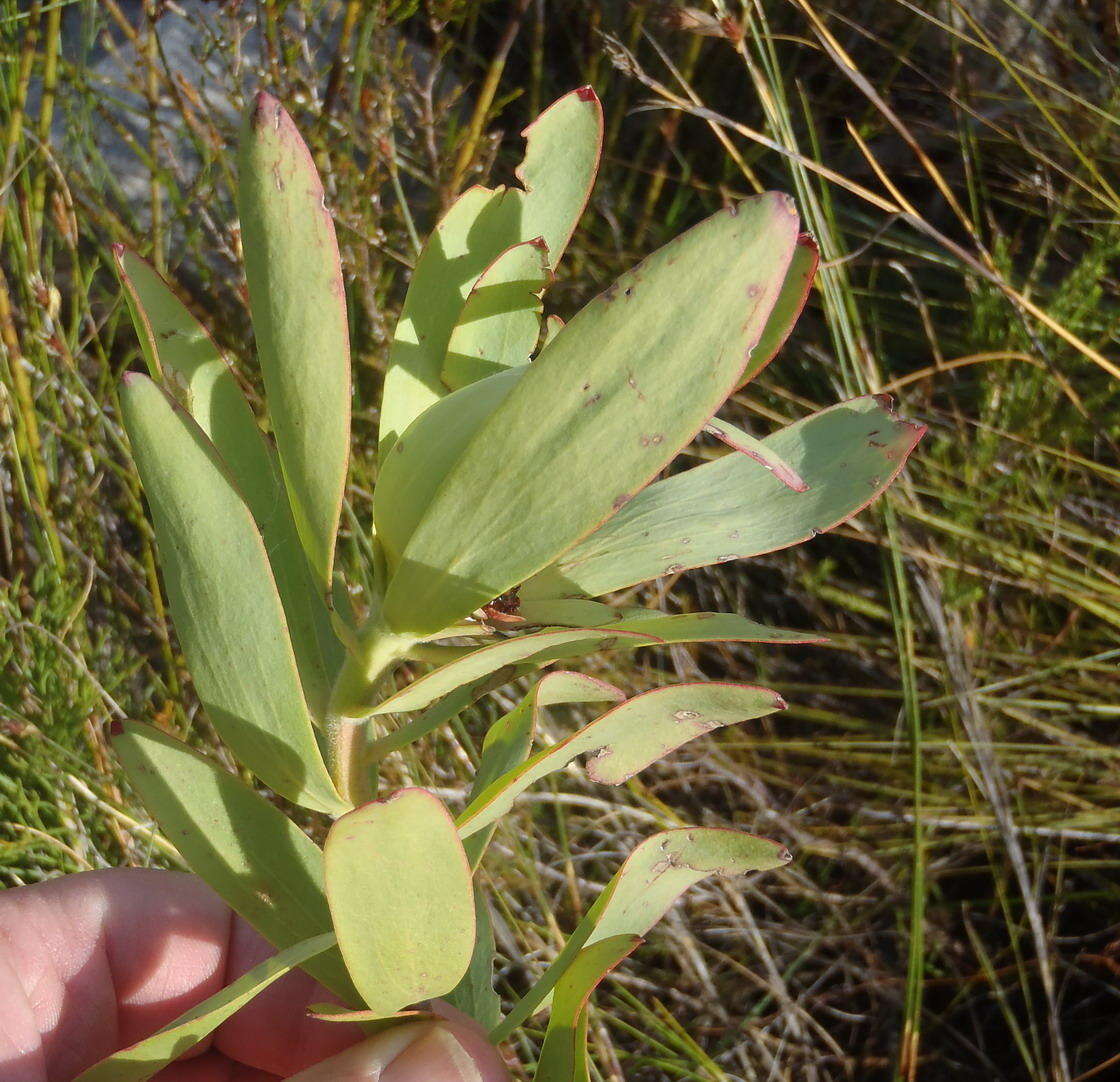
column 606, row 405
column 223, row 599
column 730, row 510
column 413, row 470
column 298, row 304
column 509, row 740
column 399, row 888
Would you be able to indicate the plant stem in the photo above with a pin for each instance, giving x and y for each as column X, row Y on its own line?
column 379, row 650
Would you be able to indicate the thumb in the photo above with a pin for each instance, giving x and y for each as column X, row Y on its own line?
column 419, row 1052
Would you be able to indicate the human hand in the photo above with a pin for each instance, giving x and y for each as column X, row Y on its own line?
column 93, row 962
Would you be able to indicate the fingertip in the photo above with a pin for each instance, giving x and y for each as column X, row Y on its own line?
column 438, row 1056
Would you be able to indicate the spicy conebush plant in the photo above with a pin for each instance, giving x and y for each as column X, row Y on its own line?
column 521, row 482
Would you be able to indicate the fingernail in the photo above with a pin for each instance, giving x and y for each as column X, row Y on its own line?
column 436, row 1057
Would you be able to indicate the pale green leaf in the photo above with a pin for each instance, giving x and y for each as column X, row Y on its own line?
column 627, row 383
column 254, row 857
column 731, row 510
column 186, row 358
column 626, row 740
column 563, row 1056
column 142, row 1060
column 562, row 149
column 223, row 599
column 298, row 304
column 538, row 649
column 746, row 444
column 500, row 322
column 561, row 158
column 399, row 889
column 795, row 292
column 413, row 470
column 654, row 876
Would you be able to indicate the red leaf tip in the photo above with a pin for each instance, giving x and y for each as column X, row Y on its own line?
column 586, row 93
column 266, row 110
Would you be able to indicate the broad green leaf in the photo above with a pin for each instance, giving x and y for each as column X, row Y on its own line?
column 254, row 857
column 561, row 158
column 298, row 303
column 142, row 1060
column 223, row 599
column 731, row 510
column 509, row 740
column 746, row 444
column 413, row 470
column 563, row 1055
column 626, row 740
column 183, row 355
column 630, row 380
column 538, row 648
column 500, row 322
column 795, row 292
column 654, row 876
column 399, row 888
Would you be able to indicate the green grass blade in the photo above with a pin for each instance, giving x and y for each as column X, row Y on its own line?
column 399, row 889
column 194, row 371
column 623, row 387
column 142, row 1060
column 223, row 599
column 298, row 303
column 259, row 862
column 730, row 509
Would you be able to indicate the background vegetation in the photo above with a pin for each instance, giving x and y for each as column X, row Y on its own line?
column 947, row 774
